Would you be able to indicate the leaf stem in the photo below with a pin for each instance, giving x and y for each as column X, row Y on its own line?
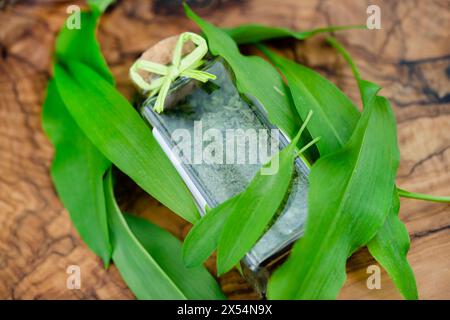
column 421, row 196
column 335, row 44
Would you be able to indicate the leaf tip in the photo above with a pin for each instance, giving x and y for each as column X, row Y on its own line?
column 106, row 263
column 188, row 260
column 223, row 265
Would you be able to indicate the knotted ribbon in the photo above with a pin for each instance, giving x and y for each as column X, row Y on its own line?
column 181, row 66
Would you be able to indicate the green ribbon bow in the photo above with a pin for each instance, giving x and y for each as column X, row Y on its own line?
column 185, row 66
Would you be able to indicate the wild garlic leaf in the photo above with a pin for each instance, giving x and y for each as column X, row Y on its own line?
column 331, row 128
column 334, row 131
column 78, row 168
column 335, row 115
column 253, row 33
column 138, row 268
column 150, row 258
column 255, row 77
column 196, row 283
column 204, row 236
column 254, row 208
column 77, row 172
column 118, row 131
column 390, row 247
column 81, row 45
column 345, row 211
column 391, row 244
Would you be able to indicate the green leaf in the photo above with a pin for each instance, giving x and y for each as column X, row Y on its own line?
column 118, row 131
column 256, row 78
column 203, row 238
column 336, row 128
column 150, row 259
column 82, row 46
column 341, row 216
column 138, row 268
column 367, row 91
column 253, row 33
column 196, row 283
column 78, row 167
column 391, row 244
column 255, row 207
column 335, row 115
column 77, row 171
column 390, row 247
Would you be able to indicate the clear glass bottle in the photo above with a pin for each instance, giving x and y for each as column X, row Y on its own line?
column 218, row 104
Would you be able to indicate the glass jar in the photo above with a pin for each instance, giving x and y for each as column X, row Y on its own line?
column 192, row 109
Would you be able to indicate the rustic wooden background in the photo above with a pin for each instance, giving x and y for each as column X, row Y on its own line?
column 409, row 57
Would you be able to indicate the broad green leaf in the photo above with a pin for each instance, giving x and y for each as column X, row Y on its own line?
column 255, row 207
column 78, row 167
column 118, row 131
column 81, row 45
column 335, row 115
column 253, row 33
column 390, row 247
column 196, row 283
column 77, row 171
column 335, row 129
column 367, row 92
column 391, row 244
column 138, row 268
column 255, row 77
column 349, row 198
column 204, row 236
column 150, row 259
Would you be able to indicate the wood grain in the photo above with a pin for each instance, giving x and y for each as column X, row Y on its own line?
column 409, row 57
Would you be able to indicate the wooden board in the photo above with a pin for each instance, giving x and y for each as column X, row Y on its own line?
column 409, row 57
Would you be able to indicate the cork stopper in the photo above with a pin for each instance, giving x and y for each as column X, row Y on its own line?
column 168, row 60
column 162, row 53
